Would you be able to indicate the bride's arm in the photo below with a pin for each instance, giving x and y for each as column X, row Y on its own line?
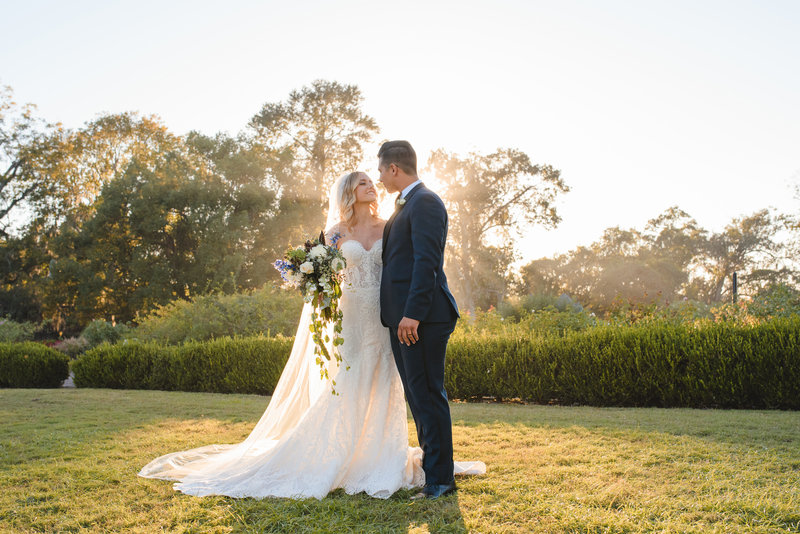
column 334, row 235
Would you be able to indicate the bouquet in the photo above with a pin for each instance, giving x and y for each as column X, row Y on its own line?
column 314, row 269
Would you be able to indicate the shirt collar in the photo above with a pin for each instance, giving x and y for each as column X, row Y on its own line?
column 408, row 189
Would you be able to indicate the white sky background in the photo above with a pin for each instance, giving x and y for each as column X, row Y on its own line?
column 640, row 104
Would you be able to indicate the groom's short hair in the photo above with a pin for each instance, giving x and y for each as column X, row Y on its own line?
column 401, row 153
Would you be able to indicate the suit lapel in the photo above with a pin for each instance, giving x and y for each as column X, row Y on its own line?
column 392, row 218
column 414, row 191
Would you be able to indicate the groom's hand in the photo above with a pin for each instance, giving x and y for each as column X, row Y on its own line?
column 407, row 331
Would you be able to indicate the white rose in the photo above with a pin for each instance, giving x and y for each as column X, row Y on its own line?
column 294, row 278
column 337, row 264
column 307, row 267
column 317, row 252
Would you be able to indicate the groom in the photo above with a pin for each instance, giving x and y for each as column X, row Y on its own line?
column 418, row 309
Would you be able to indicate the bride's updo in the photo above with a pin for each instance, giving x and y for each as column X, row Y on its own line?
column 347, row 199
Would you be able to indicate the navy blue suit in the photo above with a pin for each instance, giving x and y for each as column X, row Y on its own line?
column 413, row 285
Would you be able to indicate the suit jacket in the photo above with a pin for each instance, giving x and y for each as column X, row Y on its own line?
column 413, row 283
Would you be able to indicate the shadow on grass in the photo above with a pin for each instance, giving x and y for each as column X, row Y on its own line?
column 340, row 512
column 770, row 428
column 32, row 420
column 81, row 416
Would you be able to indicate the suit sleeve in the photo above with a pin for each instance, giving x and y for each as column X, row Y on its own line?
column 428, row 233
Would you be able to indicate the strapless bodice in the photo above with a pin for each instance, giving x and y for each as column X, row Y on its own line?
column 363, row 266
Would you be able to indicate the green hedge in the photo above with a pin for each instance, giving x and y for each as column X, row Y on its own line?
column 655, row 364
column 222, row 365
column 32, row 365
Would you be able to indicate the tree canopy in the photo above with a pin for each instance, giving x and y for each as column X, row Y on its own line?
column 122, row 215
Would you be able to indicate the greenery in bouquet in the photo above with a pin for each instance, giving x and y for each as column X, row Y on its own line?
column 315, row 269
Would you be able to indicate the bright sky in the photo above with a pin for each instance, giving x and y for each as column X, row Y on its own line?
column 641, row 104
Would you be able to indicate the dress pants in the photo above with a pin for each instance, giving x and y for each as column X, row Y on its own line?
column 421, row 368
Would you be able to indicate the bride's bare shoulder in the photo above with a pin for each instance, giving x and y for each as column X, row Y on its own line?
column 335, row 234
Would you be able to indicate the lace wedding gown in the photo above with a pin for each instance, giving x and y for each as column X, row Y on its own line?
column 310, row 442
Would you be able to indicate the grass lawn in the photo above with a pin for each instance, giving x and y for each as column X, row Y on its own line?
column 69, row 458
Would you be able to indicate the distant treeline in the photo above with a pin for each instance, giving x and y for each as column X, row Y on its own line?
column 122, row 216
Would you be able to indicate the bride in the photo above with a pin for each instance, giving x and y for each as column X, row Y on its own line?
column 309, row 442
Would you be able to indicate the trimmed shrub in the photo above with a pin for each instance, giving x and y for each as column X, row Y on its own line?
column 31, row 365
column 654, row 364
column 666, row 364
column 121, row 366
column 223, row 365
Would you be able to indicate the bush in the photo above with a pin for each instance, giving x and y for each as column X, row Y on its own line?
column 547, row 321
column 72, row 346
column 267, row 311
column 517, row 308
column 100, row 331
column 653, row 364
column 777, row 300
column 14, row 332
column 31, row 365
column 224, row 365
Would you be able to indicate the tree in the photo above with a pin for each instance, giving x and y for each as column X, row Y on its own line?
column 252, row 175
column 317, row 134
column 671, row 259
column 24, row 142
column 154, row 236
column 23, row 263
column 81, row 161
column 491, row 198
column 747, row 246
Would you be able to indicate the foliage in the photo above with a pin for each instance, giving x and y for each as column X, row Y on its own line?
column 155, row 236
column 130, row 216
column 518, row 307
column 252, row 175
column 24, row 142
column 82, row 161
column 31, row 365
column 122, row 215
column 683, row 311
column 537, row 323
column 657, row 363
column 672, row 259
column 223, row 365
column 100, row 331
column 268, row 310
column 315, row 135
column 776, row 300
column 548, row 357
column 72, row 346
column 315, row 269
column 12, row 331
column 25, row 260
column 491, row 196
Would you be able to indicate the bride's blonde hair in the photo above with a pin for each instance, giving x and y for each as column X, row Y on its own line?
column 348, row 200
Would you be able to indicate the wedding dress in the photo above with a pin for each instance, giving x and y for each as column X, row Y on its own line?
column 310, row 442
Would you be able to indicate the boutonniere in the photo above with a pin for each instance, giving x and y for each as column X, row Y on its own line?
column 400, row 202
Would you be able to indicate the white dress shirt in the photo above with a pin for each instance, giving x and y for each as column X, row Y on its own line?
column 408, row 189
